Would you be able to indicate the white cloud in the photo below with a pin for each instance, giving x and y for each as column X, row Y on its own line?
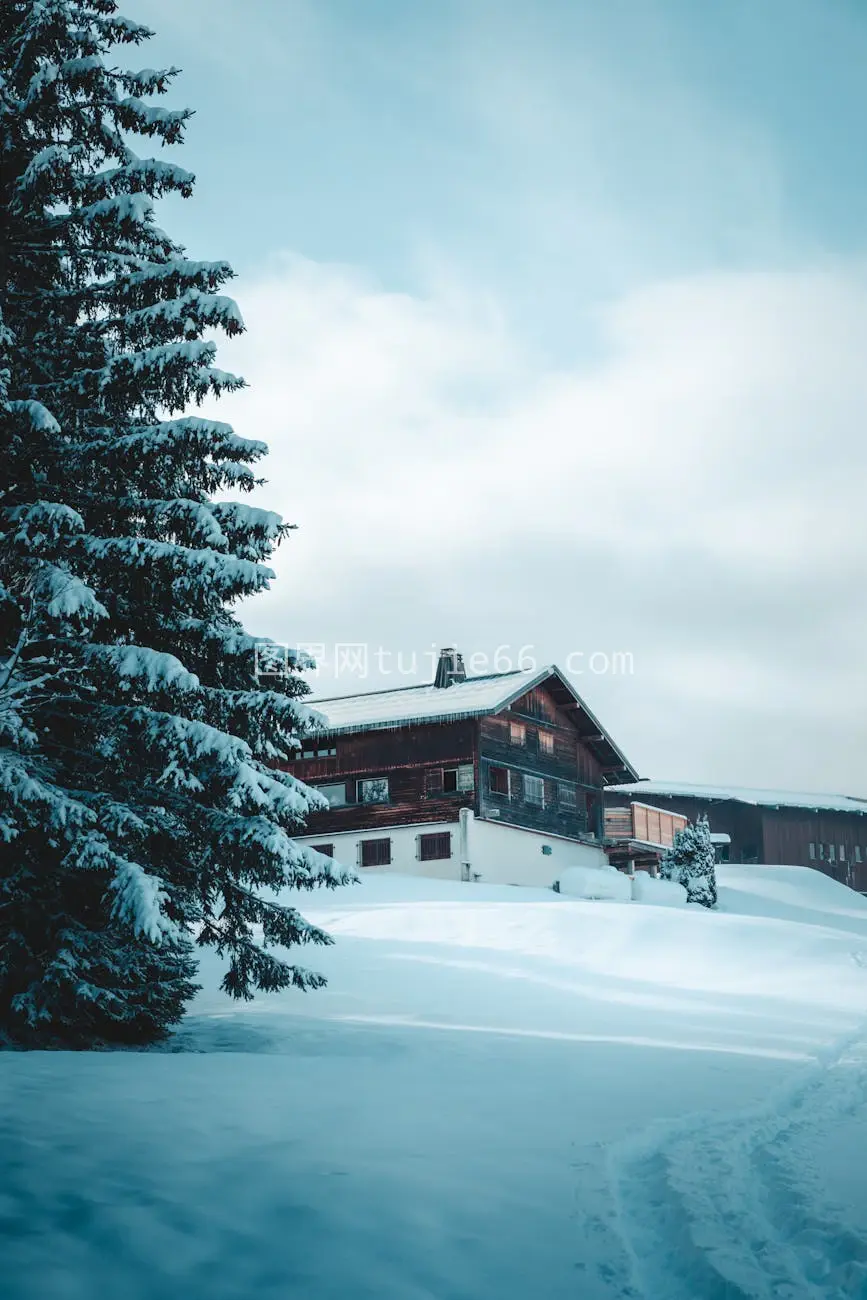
column 698, row 486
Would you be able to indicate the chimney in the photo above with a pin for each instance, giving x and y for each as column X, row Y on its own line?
column 450, row 668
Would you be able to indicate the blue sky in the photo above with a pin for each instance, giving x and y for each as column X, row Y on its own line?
column 681, row 136
column 557, row 315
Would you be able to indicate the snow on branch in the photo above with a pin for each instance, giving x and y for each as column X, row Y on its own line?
column 253, row 788
column 48, row 804
column 198, row 519
column 39, row 417
column 226, row 574
column 151, row 119
column 148, row 81
column 208, row 275
column 194, row 304
column 139, row 901
column 241, row 517
column 138, row 666
column 136, row 208
column 153, row 175
column 68, row 599
column 208, row 436
column 44, row 523
column 193, row 740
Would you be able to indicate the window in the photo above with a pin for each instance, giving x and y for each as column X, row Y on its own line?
column 857, row 852
column 373, row 790
column 326, row 753
column 433, row 848
column 375, row 853
column 457, row 779
column 842, row 852
column 821, row 851
column 567, row 796
column 832, row 856
column 335, row 794
column 812, row 852
column 498, row 779
column 308, row 753
column 327, row 850
column 534, row 790
column 517, row 733
column 546, row 742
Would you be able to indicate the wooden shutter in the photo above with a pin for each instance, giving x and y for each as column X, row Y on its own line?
column 433, row 782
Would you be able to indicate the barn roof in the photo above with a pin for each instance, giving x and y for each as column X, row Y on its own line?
column 741, row 794
column 405, row 706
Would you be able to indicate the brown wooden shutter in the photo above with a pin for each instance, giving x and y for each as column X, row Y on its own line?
column 433, row 782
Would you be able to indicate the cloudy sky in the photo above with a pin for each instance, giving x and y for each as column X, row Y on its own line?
column 557, row 330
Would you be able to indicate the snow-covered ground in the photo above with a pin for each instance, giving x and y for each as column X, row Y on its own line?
column 502, row 1093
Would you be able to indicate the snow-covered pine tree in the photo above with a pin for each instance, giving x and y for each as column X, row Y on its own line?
column 691, row 862
column 138, row 804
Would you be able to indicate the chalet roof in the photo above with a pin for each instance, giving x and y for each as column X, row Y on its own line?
column 404, row 706
column 740, row 794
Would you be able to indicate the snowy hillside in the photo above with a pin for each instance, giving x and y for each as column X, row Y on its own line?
column 501, row 1093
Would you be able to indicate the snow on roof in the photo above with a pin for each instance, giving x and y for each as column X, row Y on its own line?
column 402, row 705
column 740, row 794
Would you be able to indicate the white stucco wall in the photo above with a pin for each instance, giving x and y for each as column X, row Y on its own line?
column 498, row 854
column 403, row 849
column 509, row 855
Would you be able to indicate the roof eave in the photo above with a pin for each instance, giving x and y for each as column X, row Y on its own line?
column 624, row 762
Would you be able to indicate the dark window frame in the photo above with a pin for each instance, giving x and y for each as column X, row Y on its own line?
column 369, row 780
column 494, row 772
column 455, row 773
column 333, row 785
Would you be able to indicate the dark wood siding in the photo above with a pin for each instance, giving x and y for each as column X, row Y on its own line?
column 789, row 832
column 412, row 758
column 570, row 763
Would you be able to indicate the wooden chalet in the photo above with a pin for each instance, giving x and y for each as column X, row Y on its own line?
column 498, row 777
column 774, row 827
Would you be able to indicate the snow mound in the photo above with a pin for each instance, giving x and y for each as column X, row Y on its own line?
column 595, row 882
column 790, row 894
column 662, row 893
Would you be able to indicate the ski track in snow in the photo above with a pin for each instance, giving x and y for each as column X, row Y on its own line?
column 727, row 1209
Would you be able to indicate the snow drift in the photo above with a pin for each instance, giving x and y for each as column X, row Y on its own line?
column 595, row 882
